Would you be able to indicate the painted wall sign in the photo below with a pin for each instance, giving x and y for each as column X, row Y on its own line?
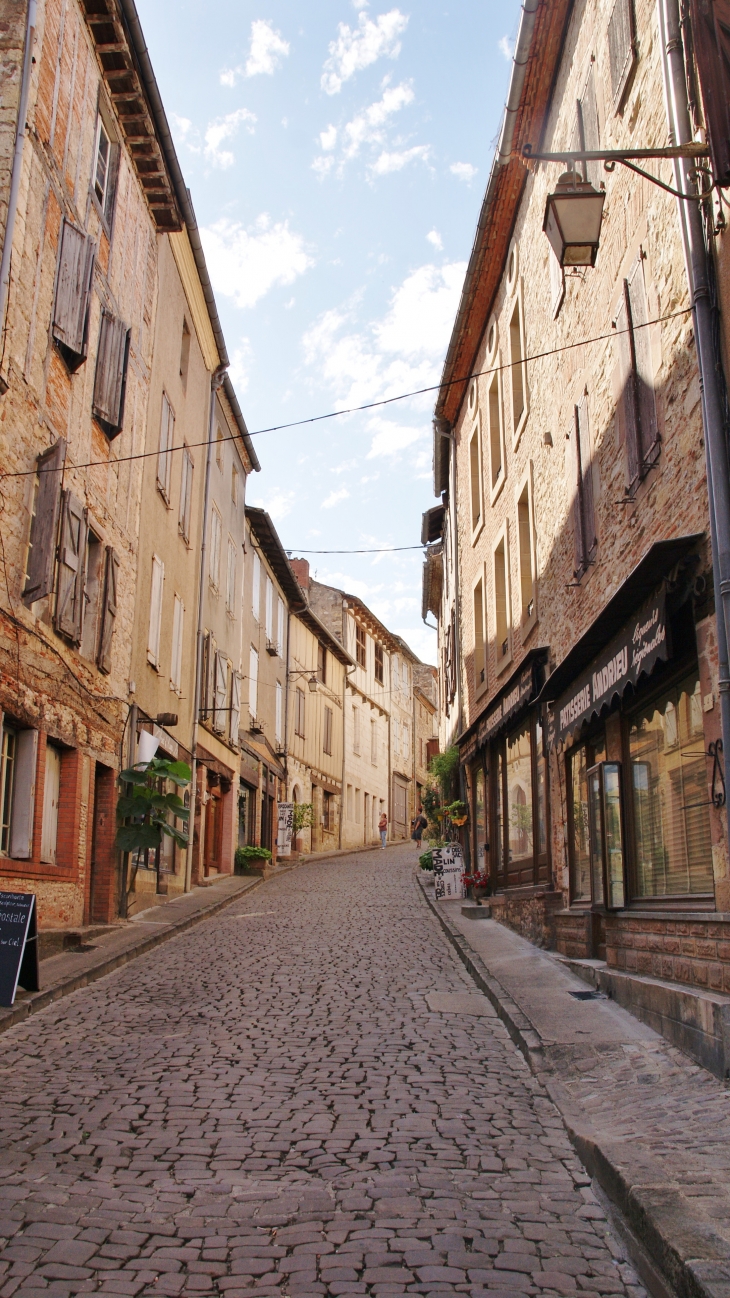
column 634, row 651
column 18, row 945
column 516, row 697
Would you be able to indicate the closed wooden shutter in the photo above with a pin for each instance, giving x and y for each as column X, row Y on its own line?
column 221, row 692
column 156, row 591
column 621, row 49
column 583, row 442
column 186, row 494
column 235, row 707
column 627, row 391
column 711, row 32
column 328, row 731
column 71, row 568
column 108, row 610
column 206, row 674
column 110, row 380
column 635, row 296
column 253, row 682
column 42, row 556
column 589, row 132
column 73, row 292
column 24, row 777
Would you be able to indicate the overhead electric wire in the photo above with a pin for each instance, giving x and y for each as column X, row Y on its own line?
column 369, row 405
column 387, row 549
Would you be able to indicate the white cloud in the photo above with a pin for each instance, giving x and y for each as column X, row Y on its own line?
column 278, row 505
column 434, row 238
column 265, row 52
column 185, row 132
column 322, row 166
column 335, row 497
column 422, row 311
column 463, row 171
column 328, row 138
column 390, row 439
column 245, row 264
column 356, row 48
column 367, row 127
column 506, row 47
column 223, row 128
column 240, row 365
column 396, row 161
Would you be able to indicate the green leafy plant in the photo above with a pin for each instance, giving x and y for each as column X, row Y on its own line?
column 245, row 856
column 444, row 767
column 149, row 809
column 303, row 815
column 425, row 860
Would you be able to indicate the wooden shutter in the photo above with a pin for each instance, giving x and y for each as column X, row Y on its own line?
column 23, row 806
column 621, row 49
column 73, row 291
column 156, row 591
column 328, row 731
column 205, row 675
column 71, row 568
column 627, row 398
column 108, row 610
column 221, row 692
column 583, row 442
column 110, row 380
column 635, row 297
column 186, row 494
column 235, row 707
column 42, row 557
column 589, row 132
column 711, row 32
column 253, row 682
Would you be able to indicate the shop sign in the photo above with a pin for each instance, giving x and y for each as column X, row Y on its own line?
column 509, row 704
column 635, row 651
column 285, row 828
column 18, row 945
column 448, row 872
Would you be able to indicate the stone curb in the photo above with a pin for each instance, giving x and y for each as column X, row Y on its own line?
column 40, row 1000
column 687, row 1254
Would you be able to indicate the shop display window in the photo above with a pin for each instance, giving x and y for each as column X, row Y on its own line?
column 519, row 799
column 580, row 761
column 669, row 795
column 480, row 821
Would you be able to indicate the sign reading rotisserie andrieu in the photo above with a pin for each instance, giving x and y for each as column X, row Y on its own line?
column 636, row 649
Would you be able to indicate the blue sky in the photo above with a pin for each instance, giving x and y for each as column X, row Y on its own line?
column 337, row 155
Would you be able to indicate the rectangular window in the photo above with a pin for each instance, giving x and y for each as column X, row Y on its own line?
column 186, row 495
column 51, row 790
column 279, row 712
column 358, row 806
column 527, row 555
column 69, row 614
column 184, row 353
column 328, row 720
column 374, row 742
column 153, row 635
column 621, row 50
column 379, row 671
column 102, row 167
column 164, row 456
column 328, row 817
column 501, row 599
column 519, row 801
column 356, row 730
column 19, row 759
column 93, row 590
column 517, row 369
column 253, row 682
column 671, row 819
column 321, row 663
column 178, row 630
column 299, row 716
column 280, row 627
column 220, row 706
column 110, row 377
column 584, row 525
column 480, row 657
column 231, row 566
column 41, row 558
column 256, row 586
column 638, row 400
column 269, row 610
column 108, row 610
column 350, row 803
column 74, row 280
column 475, row 478
column 579, row 763
column 216, row 537
column 360, row 646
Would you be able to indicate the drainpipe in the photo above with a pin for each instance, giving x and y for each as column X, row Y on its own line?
column 718, row 477
column 286, row 699
column 216, row 381
column 17, row 160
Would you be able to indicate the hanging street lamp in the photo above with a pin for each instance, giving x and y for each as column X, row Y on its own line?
column 573, row 218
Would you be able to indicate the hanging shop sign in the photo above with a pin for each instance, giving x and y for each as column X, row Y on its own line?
column 633, row 652
column 18, row 945
column 448, row 872
column 285, row 828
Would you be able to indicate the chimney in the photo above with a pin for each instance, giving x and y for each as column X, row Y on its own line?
column 300, row 568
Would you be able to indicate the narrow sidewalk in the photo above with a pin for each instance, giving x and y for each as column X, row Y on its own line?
column 649, row 1124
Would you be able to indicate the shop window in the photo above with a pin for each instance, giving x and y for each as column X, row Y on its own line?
column 496, row 434
column 585, row 542
column 501, row 599
column 670, row 806
column 519, row 804
column 527, row 553
column 360, row 646
column 621, row 50
column 186, row 495
column 379, row 667
column 480, row 658
column 605, row 825
column 480, row 820
column 328, row 720
column 498, row 855
column 541, row 791
column 637, row 401
column 517, row 369
column 184, row 353
column 580, row 761
column 164, row 455
column 475, row 477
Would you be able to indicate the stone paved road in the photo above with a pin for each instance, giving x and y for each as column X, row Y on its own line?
column 275, row 1103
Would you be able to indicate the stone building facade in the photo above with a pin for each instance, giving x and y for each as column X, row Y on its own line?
column 588, row 649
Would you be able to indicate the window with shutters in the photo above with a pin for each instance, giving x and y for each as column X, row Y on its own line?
column 186, row 495
column 379, row 664
column 356, row 730
column 93, row 589
column 108, row 610
column 475, row 478
column 234, row 716
column 581, row 473
column 638, row 424
column 17, row 791
column 231, row 567
column 269, row 610
column 164, row 455
column 321, row 663
column 74, row 281
column 41, row 557
column 220, row 701
column 106, row 165
column 256, row 586
column 588, row 131
column 68, row 618
column 110, row 379
column 178, row 631
column 155, row 623
column 279, row 726
column 299, row 702
column 7, row 772
column 518, row 369
column 280, row 628
column 621, row 50
column 502, row 611
column 480, row 647
column 496, row 434
column 328, row 811
column 216, row 537
column 207, row 675
column 526, row 540
column 253, row 681
column 328, row 722
column 51, row 791
column 711, row 37
column 360, row 646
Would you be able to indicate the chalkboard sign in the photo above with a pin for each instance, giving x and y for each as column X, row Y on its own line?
column 18, row 945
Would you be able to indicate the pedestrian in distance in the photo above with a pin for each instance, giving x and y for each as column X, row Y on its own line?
column 383, row 828
column 417, row 827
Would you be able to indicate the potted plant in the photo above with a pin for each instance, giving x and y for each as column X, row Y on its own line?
column 251, row 860
column 146, row 811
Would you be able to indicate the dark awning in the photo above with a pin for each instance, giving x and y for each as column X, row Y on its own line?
column 432, row 524
column 517, row 693
column 637, row 587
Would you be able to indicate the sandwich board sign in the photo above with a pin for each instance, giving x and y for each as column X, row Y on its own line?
column 18, row 945
column 285, row 828
column 448, row 872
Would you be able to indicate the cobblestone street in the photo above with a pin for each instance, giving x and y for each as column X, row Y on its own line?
column 288, row 1100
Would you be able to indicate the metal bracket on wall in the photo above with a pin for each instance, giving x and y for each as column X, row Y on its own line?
column 719, row 793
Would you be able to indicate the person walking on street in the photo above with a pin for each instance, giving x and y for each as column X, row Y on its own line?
column 383, row 828
column 417, row 827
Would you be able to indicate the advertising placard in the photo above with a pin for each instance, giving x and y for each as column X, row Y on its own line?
column 18, row 945
column 448, row 871
column 285, row 828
